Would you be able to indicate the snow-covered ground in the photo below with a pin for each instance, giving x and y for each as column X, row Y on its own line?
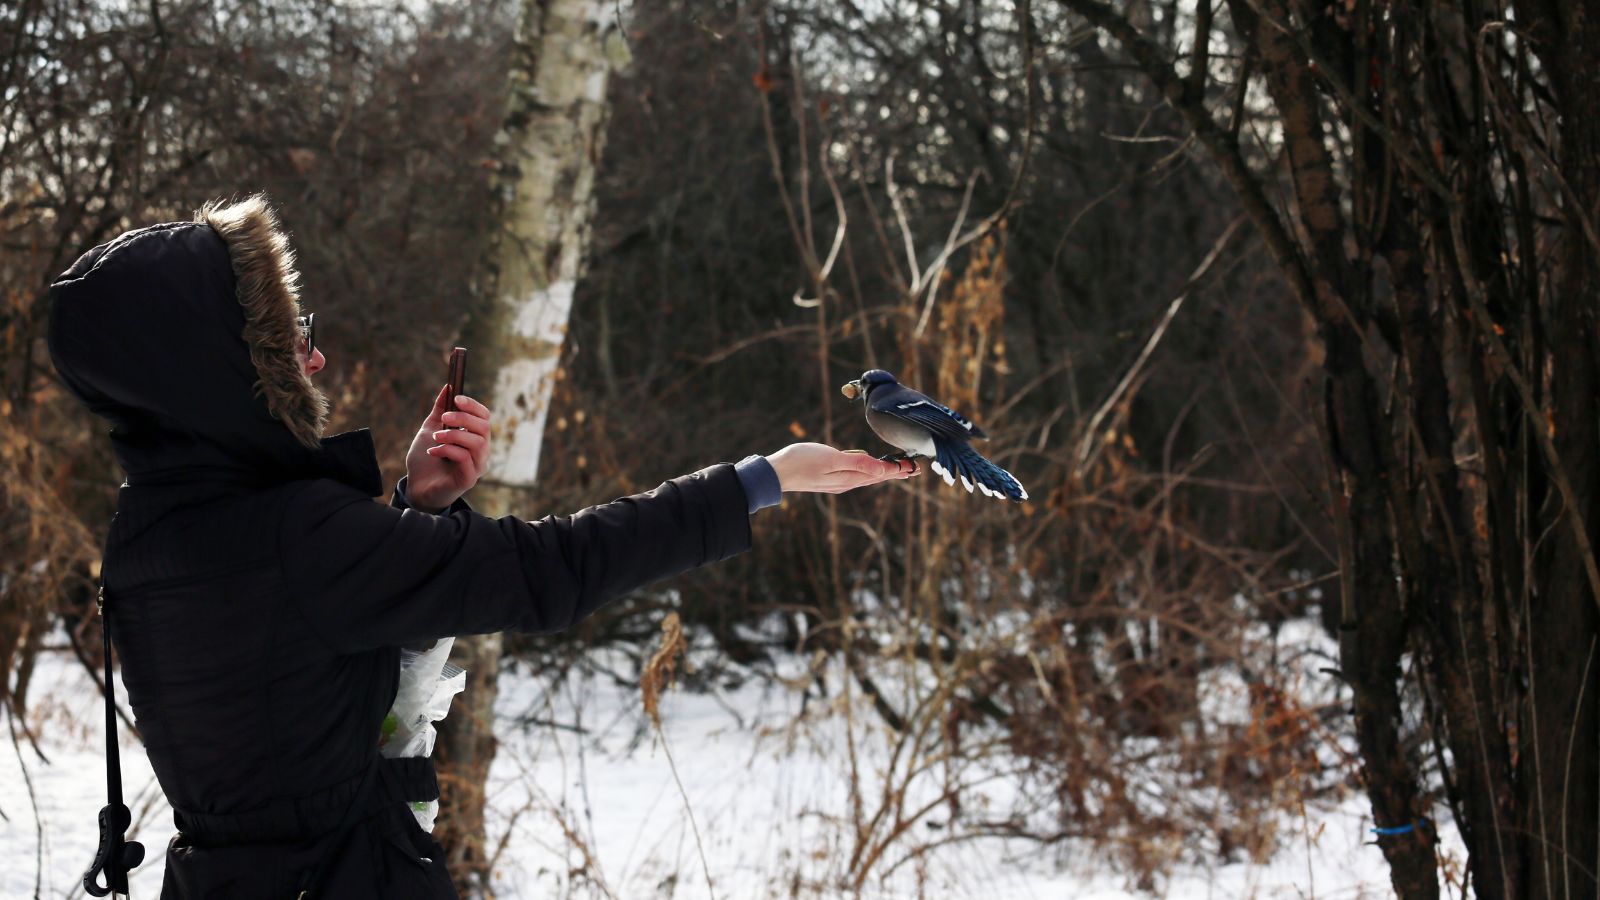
column 587, row 805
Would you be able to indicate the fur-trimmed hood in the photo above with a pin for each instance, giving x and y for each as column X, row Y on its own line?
column 183, row 336
column 267, row 286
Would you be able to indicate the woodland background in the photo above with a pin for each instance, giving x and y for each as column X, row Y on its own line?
column 1279, row 308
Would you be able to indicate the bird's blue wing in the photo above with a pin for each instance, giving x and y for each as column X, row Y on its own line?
column 913, row 406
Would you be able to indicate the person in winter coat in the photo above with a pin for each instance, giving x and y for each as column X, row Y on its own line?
column 258, row 597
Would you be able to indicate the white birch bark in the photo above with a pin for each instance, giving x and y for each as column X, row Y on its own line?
column 552, row 137
column 530, row 265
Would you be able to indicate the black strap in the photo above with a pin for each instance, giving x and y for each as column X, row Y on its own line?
column 115, row 855
column 412, row 778
column 313, row 816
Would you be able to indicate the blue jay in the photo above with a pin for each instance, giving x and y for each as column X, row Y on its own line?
column 921, row 426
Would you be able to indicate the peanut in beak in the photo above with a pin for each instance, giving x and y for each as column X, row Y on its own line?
column 850, row 389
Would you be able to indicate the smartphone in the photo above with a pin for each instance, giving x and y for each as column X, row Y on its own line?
column 458, row 374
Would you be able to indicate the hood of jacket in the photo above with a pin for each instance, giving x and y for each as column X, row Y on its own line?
column 183, row 336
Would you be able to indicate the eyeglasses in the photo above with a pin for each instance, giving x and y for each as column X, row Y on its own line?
column 308, row 331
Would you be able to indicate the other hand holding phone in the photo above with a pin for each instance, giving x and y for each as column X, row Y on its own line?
column 451, row 450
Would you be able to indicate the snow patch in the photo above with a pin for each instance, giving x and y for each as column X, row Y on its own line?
column 764, row 770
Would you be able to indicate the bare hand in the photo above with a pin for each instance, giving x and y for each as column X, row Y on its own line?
column 818, row 468
column 448, row 455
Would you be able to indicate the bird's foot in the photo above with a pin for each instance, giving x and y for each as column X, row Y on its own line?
column 898, row 458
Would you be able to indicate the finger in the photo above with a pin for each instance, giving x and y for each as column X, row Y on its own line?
column 473, row 442
column 857, row 462
column 849, row 481
column 472, row 423
column 469, row 405
column 456, row 454
column 476, row 444
column 894, row 473
column 438, row 406
column 876, row 468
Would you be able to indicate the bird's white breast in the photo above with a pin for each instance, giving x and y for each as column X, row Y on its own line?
column 908, row 436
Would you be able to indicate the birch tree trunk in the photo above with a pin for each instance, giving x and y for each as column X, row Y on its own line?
column 532, row 257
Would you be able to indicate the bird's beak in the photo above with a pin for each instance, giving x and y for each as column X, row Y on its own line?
column 851, row 389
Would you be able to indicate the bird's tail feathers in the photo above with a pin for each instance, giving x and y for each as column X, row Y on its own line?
column 965, row 463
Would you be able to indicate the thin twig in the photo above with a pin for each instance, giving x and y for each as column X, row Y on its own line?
column 1566, row 779
column 1087, row 445
column 1530, row 407
column 658, row 673
column 33, row 798
column 699, row 845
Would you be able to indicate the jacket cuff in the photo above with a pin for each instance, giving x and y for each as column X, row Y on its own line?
column 760, row 482
column 399, row 500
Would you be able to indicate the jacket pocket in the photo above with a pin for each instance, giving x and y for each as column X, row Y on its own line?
column 414, row 861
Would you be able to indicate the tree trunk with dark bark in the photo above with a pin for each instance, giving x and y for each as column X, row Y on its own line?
column 1461, row 361
column 1561, row 726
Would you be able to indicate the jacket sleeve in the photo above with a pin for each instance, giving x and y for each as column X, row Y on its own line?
column 366, row 575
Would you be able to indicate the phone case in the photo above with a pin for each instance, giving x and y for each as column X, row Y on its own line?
column 458, row 375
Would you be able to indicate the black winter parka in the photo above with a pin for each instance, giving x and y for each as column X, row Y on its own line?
column 257, row 596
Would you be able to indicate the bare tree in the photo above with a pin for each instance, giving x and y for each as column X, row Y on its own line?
column 532, row 259
column 780, row 190
column 1439, row 230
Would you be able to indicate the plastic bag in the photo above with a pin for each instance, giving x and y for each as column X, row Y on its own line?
column 427, row 685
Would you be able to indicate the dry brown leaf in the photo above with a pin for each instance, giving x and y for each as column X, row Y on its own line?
column 662, row 667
